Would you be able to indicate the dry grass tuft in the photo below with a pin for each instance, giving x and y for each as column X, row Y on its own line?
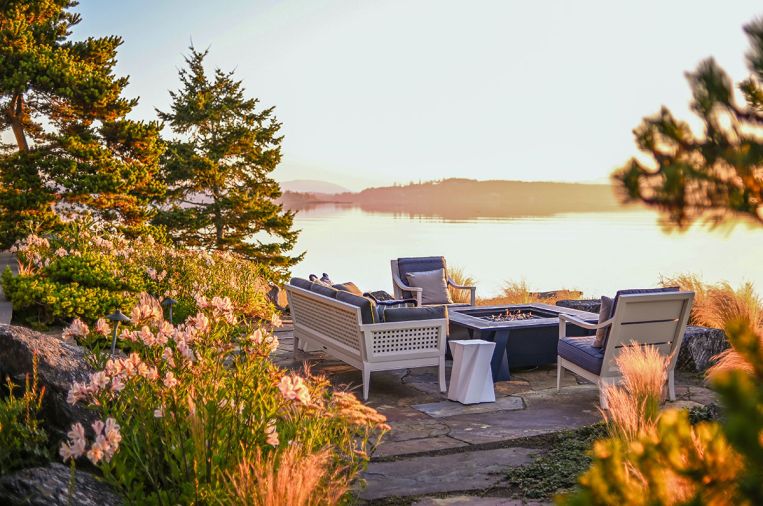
column 635, row 405
column 296, row 479
column 459, row 277
column 518, row 292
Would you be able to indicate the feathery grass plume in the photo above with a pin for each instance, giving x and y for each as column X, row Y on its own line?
column 459, row 277
column 294, row 479
column 518, row 292
column 731, row 359
column 634, row 407
column 689, row 283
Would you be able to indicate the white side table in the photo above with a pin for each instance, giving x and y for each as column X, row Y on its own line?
column 471, row 380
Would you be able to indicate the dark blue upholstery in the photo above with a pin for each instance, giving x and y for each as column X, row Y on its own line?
column 581, row 352
column 300, row 283
column 418, row 264
column 367, row 306
column 326, row 291
column 405, row 314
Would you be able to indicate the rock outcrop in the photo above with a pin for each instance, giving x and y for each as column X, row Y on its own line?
column 49, row 486
column 590, row 305
column 59, row 366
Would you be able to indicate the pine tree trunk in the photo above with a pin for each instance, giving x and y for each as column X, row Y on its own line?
column 15, row 114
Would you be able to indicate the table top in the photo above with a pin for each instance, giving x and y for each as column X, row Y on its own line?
column 459, row 316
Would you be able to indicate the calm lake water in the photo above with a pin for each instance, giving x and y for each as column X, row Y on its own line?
column 597, row 253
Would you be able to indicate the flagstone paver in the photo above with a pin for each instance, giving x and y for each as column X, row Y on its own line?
column 475, row 470
column 470, row 500
column 445, row 409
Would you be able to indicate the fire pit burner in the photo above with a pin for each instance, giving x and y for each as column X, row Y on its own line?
column 510, row 315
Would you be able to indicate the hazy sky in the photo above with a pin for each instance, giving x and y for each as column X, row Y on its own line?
column 371, row 92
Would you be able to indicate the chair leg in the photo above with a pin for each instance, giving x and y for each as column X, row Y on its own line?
column 558, row 376
column 443, row 385
column 366, row 381
column 671, row 385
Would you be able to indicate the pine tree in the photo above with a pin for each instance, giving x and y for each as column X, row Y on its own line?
column 74, row 149
column 716, row 175
column 220, row 195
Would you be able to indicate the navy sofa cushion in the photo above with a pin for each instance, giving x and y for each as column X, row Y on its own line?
column 581, row 352
column 406, row 314
column 367, row 306
column 300, row 283
column 326, row 291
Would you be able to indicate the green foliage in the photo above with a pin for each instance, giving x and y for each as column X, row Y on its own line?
column 712, row 175
column 84, row 271
column 194, row 402
column 220, row 195
column 23, row 441
column 74, row 148
column 558, row 468
column 677, row 463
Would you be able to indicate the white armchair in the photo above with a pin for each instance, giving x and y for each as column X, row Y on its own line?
column 402, row 266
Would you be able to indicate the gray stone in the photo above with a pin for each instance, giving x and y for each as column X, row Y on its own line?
column 450, row 408
column 49, row 486
column 475, row 470
column 590, row 305
column 699, row 346
column 59, row 366
column 470, row 500
column 389, row 448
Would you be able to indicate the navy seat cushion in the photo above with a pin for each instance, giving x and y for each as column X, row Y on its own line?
column 300, row 283
column 406, row 314
column 326, row 291
column 581, row 352
column 367, row 306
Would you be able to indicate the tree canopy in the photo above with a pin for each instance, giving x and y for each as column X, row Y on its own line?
column 75, row 151
column 714, row 175
column 219, row 193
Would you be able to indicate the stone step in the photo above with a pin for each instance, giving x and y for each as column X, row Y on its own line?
column 457, row 472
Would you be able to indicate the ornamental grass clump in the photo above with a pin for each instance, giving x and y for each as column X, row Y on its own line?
column 202, row 410
column 635, row 406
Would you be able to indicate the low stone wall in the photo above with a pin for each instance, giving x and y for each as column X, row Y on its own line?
column 699, row 346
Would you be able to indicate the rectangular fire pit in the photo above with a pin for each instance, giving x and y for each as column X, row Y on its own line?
column 525, row 335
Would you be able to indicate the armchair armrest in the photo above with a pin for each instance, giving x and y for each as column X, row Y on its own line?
column 413, row 289
column 472, row 289
column 565, row 318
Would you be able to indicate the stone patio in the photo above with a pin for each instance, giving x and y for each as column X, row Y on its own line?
column 441, row 452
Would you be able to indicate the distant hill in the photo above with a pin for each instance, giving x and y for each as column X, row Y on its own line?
column 312, row 186
column 467, row 198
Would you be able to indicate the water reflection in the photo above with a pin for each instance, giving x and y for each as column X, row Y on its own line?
column 597, row 253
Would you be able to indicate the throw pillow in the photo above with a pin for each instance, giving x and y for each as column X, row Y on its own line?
column 605, row 313
column 349, row 286
column 433, row 284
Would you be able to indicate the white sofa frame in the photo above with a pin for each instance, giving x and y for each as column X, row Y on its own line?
column 399, row 286
column 337, row 328
column 654, row 319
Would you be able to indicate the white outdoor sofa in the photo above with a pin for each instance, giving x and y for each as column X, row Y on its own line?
column 657, row 319
column 344, row 327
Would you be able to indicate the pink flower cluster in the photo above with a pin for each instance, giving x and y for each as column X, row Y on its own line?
column 113, row 377
column 269, row 341
column 78, row 328
column 103, row 448
column 155, row 275
column 271, row 434
column 222, row 307
column 147, row 310
column 294, row 388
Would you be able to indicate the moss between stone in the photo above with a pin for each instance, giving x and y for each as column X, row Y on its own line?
column 558, row 468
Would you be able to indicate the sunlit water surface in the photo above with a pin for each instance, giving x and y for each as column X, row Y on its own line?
column 597, row 253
